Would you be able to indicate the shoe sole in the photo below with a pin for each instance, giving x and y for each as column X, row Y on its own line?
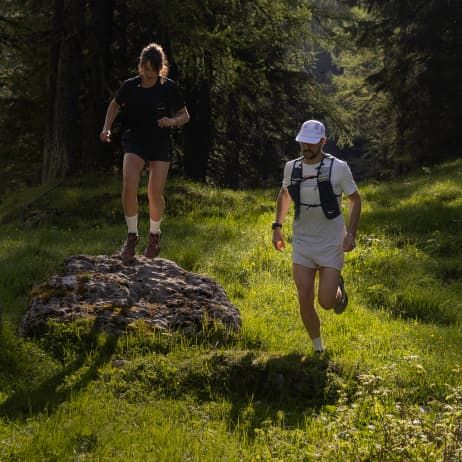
column 340, row 309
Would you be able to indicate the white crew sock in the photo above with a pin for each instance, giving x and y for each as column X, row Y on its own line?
column 132, row 224
column 317, row 344
column 155, row 226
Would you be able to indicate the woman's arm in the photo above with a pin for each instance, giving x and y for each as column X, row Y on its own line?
column 181, row 118
column 111, row 113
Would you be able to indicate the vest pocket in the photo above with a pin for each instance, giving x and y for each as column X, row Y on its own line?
column 329, row 202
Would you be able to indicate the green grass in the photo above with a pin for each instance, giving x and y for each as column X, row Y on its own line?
column 389, row 387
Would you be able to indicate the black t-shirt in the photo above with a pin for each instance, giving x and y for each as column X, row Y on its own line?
column 142, row 107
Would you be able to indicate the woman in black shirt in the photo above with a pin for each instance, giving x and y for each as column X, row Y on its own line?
column 150, row 105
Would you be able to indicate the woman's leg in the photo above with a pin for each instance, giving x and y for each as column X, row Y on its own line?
column 132, row 167
column 158, row 171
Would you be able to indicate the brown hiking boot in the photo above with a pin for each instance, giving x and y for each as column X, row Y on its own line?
column 153, row 248
column 128, row 251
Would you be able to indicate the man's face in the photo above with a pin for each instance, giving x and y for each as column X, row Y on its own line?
column 311, row 151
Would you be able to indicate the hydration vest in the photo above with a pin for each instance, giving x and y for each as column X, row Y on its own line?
column 329, row 202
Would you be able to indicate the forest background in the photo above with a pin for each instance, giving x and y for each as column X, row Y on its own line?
column 386, row 77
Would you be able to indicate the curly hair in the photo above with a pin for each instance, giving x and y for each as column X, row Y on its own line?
column 154, row 54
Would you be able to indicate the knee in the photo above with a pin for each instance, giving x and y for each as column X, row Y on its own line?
column 326, row 301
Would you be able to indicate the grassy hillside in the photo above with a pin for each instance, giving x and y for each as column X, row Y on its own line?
column 388, row 388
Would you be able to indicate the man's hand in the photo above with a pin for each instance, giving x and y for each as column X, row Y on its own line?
column 349, row 242
column 105, row 136
column 278, row 241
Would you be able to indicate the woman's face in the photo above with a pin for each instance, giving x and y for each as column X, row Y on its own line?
column 147, row 71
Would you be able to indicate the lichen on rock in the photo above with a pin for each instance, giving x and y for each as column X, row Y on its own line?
column 114, row 296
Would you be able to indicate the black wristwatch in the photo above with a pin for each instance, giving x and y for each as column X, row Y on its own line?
column 276, row 225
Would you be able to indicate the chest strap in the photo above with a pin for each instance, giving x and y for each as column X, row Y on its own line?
column 329, row 202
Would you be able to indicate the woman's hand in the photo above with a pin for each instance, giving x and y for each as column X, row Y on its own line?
column 167, row 122
column 105, row 136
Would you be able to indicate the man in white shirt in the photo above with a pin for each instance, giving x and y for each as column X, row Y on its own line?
column 316, row 182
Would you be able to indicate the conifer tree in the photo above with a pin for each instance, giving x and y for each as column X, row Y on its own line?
column 418, row 49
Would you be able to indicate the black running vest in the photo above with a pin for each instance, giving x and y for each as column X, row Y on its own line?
column 329, row 202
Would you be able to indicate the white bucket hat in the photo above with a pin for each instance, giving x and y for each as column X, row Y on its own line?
column 311, row 132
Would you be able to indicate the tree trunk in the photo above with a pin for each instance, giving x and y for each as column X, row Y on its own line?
column 232, row 160
column 197, row 133
column 98, row 95
column 62, row 136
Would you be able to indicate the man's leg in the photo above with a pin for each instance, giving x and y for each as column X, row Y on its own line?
column 158, row 171
column 132, row 167
column 304, row 280
column 328, row 291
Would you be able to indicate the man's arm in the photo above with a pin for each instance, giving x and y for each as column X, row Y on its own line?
column 349, row 242
column 282, row 208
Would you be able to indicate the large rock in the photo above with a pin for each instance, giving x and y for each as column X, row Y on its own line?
column 114, row 295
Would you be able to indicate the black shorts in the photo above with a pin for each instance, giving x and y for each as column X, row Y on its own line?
column 159, row 150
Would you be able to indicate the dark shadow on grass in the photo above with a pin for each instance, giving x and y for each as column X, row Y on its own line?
column 282, row 388
column 260, row 387
column 93, row 351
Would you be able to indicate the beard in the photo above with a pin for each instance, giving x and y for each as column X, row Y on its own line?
column 307, row 154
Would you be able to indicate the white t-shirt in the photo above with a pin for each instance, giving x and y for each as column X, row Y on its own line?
column 316, row 239
column 341, row 179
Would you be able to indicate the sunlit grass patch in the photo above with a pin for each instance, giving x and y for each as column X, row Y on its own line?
column 388, row 387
